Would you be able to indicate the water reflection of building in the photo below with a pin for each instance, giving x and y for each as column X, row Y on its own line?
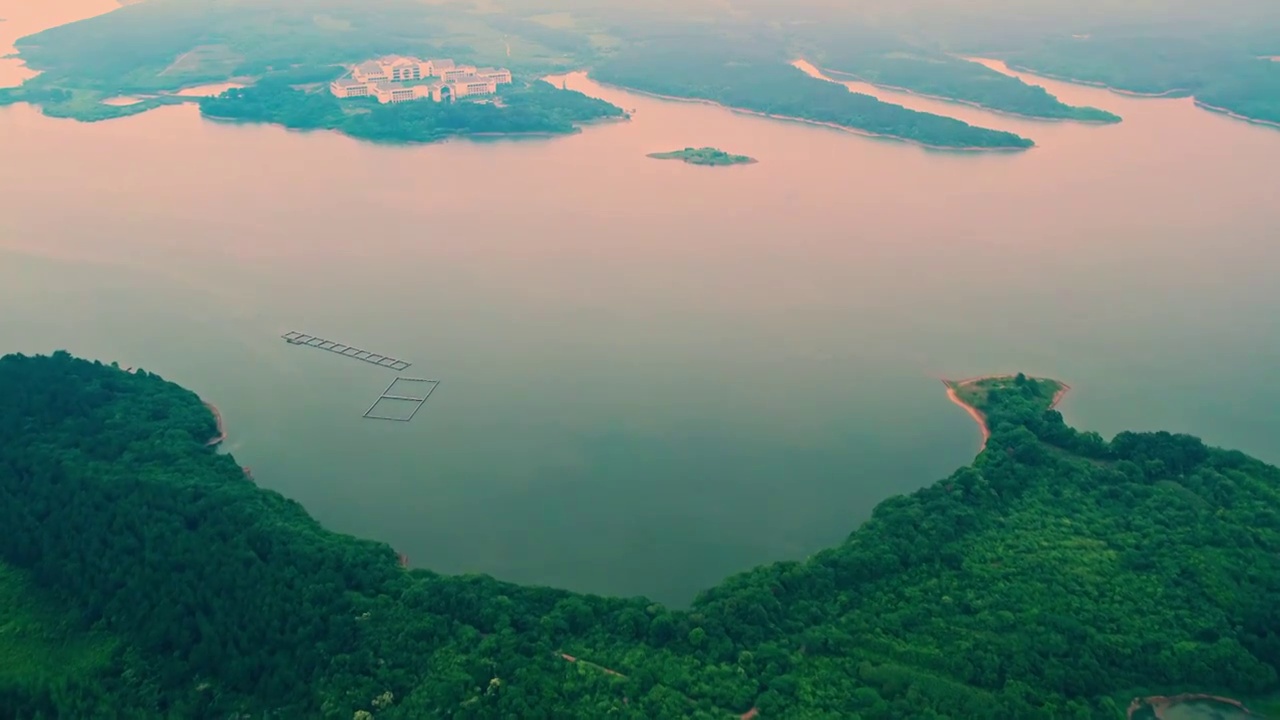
column 396, row 79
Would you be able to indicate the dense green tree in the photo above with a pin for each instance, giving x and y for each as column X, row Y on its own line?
column 536, row 108
column 1049, row 579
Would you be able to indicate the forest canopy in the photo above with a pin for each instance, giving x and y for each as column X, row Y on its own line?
column 1056, row 577
column 537, row 107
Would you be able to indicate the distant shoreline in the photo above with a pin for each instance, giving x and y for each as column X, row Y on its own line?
column 1175, row 94
column 1167, row 94
column 1235, row 115
column 390, row 143
column 967, row 103
column 819, row 123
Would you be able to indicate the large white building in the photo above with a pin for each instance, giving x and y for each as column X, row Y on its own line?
column 396, row 79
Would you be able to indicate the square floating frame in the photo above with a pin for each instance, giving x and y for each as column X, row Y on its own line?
column 412, row 395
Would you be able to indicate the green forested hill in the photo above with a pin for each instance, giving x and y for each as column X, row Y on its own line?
column 1056, row 577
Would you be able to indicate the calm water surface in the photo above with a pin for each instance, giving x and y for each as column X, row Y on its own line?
column 653, row 374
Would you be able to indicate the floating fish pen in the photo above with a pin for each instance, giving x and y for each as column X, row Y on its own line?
column 413, row 402
column 386, row 361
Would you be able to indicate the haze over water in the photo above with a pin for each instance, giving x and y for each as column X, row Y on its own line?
column 653, row 374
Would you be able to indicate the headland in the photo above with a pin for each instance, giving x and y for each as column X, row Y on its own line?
column 968, row 394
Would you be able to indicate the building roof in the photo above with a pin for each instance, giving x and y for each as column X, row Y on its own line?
column 391, row 86
column 347, row 82
column 441, row 63
column 490, row 71
column 369, row 67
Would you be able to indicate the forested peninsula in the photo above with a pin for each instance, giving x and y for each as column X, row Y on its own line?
column 144, row 575
column 1223, row 74
column 768, row 85
column 936, row 74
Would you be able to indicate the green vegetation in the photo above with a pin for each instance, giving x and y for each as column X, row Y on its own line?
column 766, row 84
column 1056, row 577
column 937, row 74
column 1217, row 71
column 164, row 45
column 536, row 108
column 42, row 651
column 975, row 393
column 703, row 156
column 82, row 105
column 161, row 46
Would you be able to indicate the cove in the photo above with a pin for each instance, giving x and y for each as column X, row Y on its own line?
column 652, row 376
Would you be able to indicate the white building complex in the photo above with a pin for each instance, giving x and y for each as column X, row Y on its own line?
column 398, row 79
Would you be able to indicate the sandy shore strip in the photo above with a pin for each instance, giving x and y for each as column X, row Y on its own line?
column 954, row 385
column 222, row 428
column 819, row 123
column 974, row 413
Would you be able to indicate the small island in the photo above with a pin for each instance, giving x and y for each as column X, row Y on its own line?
column 704, row 156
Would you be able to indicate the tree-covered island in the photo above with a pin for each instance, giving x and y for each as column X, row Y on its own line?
column 532, row 108
column 703, row 156
column 143, row 574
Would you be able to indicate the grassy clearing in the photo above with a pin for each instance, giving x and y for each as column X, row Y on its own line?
column 204, row 60
column 39, row 643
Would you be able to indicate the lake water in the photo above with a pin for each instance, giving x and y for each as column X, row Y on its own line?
column 653, row 374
